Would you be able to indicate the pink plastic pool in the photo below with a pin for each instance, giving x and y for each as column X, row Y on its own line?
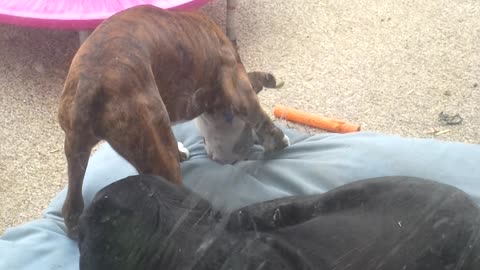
column 76, row 14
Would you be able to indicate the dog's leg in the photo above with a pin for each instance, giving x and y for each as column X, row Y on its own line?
column 143, row 136
column 77, row 151
column 75, row 116
column 239, row 92
column 269, row 135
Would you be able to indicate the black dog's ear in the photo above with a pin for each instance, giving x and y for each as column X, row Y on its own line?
column 262, row 79
column 106, row 209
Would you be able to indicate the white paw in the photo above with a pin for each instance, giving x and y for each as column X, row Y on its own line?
column 183, row 150
column 286, row 140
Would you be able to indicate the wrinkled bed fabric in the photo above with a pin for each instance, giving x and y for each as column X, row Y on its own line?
column 311, row 165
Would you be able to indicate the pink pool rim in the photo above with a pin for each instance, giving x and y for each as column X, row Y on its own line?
column 76, row 14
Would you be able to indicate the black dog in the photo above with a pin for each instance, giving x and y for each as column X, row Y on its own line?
column 145, row 222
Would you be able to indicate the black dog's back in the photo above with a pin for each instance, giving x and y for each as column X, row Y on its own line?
column 383, row 223
column 144, row 222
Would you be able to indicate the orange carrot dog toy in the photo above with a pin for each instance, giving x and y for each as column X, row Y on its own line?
column 314, row 120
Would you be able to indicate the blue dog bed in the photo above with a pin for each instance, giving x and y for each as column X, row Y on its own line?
column 311, row 165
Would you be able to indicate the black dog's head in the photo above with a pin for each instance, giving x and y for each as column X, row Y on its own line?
column 140, row 222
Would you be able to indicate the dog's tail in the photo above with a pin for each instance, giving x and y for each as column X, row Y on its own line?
column 259, row 80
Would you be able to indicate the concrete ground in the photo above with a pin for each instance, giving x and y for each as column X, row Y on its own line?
column 390, row 65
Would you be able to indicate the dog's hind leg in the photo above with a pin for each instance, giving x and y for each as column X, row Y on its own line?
column 141, row 133
column 78, row 145
column 75, row 116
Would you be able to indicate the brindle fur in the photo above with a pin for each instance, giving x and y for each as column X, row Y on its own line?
column 134, row 75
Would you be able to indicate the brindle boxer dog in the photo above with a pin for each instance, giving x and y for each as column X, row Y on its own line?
column 139, row 71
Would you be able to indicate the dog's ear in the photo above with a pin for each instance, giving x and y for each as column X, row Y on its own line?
column 261, row 79
column 201, row 101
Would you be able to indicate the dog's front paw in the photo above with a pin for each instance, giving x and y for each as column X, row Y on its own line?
column 184, row 153
column 276, row 142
